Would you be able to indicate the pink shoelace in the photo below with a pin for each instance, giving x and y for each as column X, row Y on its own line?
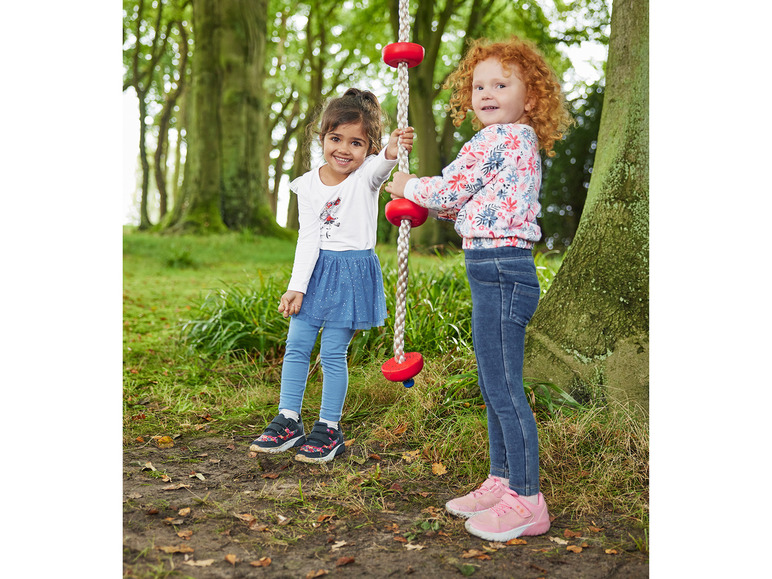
column 487, row 486
column 503, row 507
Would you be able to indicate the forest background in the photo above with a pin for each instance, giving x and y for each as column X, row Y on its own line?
column 310, row 52
column 62, row 167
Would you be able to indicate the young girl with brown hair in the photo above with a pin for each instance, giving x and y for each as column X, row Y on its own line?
column 336, row 284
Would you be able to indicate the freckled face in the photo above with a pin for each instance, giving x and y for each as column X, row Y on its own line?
column 345, row 148
column 498, row 94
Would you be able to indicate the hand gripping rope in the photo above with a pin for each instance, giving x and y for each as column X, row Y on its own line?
column 402, row 212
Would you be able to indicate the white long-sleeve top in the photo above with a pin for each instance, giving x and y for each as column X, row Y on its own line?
column 338, row 217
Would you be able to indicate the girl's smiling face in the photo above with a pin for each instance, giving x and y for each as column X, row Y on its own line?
column 345, row 148
column 498, row 94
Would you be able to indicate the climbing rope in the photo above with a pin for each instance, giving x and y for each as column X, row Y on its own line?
column 403, row 55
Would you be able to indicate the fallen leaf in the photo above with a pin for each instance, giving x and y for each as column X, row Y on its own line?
column 197, row 475
column 231, row 446
column 569, row 534
column 176, row 549
column 261, row 562
column 175, row 487
column 611, row 551
column 412, row 547
column 246, row 517
column 166, row 478
column 186, row 535
column 396, row 487
column 202, row 563
column 400, row 429
column 271, row 475
column 475, row 554
column 344, row 561
column 231, row 558
column 358, row 459
column 140, row 439
column 375, row 456
column 438, row 469
column 517, row 542
column 400, row 539
column 574, row 549
column 148, row 466
column 323, row 518
column 283, row 520
column 133, row 496
column 410, row 455
column 152, row 511
column 164, row 441
column 338, row 545
column 349, row 442
column 558, row 540
column 317, row 573
column 595, row 529
column 184, row 512
column 173, row 521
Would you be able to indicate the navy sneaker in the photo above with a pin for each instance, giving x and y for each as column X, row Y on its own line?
column 322, row 444
column 281, row 434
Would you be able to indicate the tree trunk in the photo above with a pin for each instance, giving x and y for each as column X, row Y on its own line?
column 164, row 122
column 144, row 217
column 200, row 212
column 592, row 325
column 242, row 113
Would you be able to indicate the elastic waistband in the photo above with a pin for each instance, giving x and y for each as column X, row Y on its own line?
column 347, row 254
column 498, row 252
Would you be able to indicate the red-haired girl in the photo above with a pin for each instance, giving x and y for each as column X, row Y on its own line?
column 491, row 191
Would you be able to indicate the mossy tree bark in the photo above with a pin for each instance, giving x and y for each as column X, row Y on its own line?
column 226, row 180
column 592, row 325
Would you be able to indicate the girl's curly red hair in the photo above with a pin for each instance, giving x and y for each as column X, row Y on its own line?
column 548, row 115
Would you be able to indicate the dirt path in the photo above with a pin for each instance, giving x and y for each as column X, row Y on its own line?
column 205, row 508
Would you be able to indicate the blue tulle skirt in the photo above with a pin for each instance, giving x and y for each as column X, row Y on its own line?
column 345, row 291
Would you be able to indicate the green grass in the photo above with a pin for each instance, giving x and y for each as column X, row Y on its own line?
column 203, row 344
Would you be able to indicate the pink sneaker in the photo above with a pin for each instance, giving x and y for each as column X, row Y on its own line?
column 479, row 500
column 511, row 517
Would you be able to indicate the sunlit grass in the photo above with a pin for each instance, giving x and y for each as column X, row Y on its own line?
column 223, row 378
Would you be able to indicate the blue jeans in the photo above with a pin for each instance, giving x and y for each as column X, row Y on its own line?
column 505, row 293
column 301, row 338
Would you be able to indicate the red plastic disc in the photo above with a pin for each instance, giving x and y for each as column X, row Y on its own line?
column 409, row 52
column 396, row 372
column 399, row 209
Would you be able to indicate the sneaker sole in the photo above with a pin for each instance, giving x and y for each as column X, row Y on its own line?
column 276, row 449
column 313, row 460
column 463, row 514
column 507, row 535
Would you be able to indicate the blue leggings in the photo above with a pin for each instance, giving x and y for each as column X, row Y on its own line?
column 294, row 372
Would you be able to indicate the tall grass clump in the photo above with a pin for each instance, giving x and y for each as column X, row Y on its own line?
column 239, row 319
column 597, row 459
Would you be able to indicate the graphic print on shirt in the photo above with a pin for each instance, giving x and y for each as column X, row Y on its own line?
column 328, row 217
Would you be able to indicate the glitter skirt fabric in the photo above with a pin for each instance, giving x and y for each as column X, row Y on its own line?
column 345, row 291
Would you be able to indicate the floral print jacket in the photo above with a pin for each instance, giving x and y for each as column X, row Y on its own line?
column 491, row 190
